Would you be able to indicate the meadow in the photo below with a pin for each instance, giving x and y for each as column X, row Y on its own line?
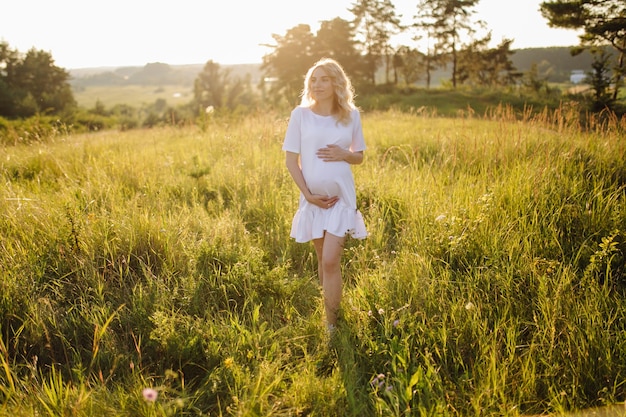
column 150, row 272
column 132, row 95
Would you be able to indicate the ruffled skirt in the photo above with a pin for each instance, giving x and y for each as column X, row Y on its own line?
column 310, row 222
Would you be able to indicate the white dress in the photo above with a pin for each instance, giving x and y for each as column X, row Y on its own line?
column 306, row 133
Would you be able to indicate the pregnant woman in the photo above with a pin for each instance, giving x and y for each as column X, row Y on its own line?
column 324, row 138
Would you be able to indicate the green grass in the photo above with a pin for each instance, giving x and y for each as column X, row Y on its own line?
column 492, row 282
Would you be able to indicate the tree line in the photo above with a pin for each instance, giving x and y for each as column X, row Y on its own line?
column 32, row 84
column 445, row 34
column 453, row 39
column 364, row 47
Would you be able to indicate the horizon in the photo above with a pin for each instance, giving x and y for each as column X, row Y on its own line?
column 246, row 63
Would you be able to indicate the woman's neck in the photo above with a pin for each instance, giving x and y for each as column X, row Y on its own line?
column 323, row 108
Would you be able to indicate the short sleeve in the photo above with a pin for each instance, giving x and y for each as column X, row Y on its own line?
column 358, row 141
column 292, row 141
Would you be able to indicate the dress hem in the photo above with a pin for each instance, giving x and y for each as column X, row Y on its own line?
column 311, row 222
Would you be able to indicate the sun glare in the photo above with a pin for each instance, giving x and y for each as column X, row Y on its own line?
column 230, row 32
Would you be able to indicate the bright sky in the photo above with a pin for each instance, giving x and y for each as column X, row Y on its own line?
column 82, row 33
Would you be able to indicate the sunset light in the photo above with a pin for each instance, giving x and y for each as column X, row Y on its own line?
column 313, row 208
column 114, row 33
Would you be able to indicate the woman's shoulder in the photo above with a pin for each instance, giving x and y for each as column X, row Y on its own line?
column 300, row 110
column 355, row 114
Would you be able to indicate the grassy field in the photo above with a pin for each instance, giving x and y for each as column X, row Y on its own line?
column 447, row 102
column 150, row 273
column 132, row 95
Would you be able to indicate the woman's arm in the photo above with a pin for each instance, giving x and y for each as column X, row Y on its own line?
column 293, row 166
column 333, row 153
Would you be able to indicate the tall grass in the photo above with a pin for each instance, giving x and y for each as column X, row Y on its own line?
column 492, row 281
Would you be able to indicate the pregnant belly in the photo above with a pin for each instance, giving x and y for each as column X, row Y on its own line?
column 327, row 178
column 328, row 187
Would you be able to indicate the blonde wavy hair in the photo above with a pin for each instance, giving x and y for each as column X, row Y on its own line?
column 344, row 91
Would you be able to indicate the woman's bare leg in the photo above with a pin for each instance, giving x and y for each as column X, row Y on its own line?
column 329, row 250
column 318, row 244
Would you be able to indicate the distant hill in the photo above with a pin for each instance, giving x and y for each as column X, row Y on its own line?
column 556, row 63
column 153, row 74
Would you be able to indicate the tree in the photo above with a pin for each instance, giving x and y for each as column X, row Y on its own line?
column 46, row 82
column 210, row 86
column 215, row 87
column 432, row 58
column 32, row 84
column 8, row 95
column 483, row 66
column 335, row 39
column 409, row 63
column 375, row 21
column 287, row 64
column 152, row 73
column 600, row 80
column 447, row 21
column 536, row 78
column 603, row 22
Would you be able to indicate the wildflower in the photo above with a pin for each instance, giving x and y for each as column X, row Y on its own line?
column 378, row 381
column 389, row 388
column 369, row 313
column 470, row 306
column 209, row 110
column 228, row 362
column 150, row 395
column 396, row 323
column 170, row 374
column 381, row 311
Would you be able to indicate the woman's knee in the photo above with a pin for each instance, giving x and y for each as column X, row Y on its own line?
column 331, row 263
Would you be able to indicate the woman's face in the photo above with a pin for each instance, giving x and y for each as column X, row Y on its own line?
column 321, row 85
